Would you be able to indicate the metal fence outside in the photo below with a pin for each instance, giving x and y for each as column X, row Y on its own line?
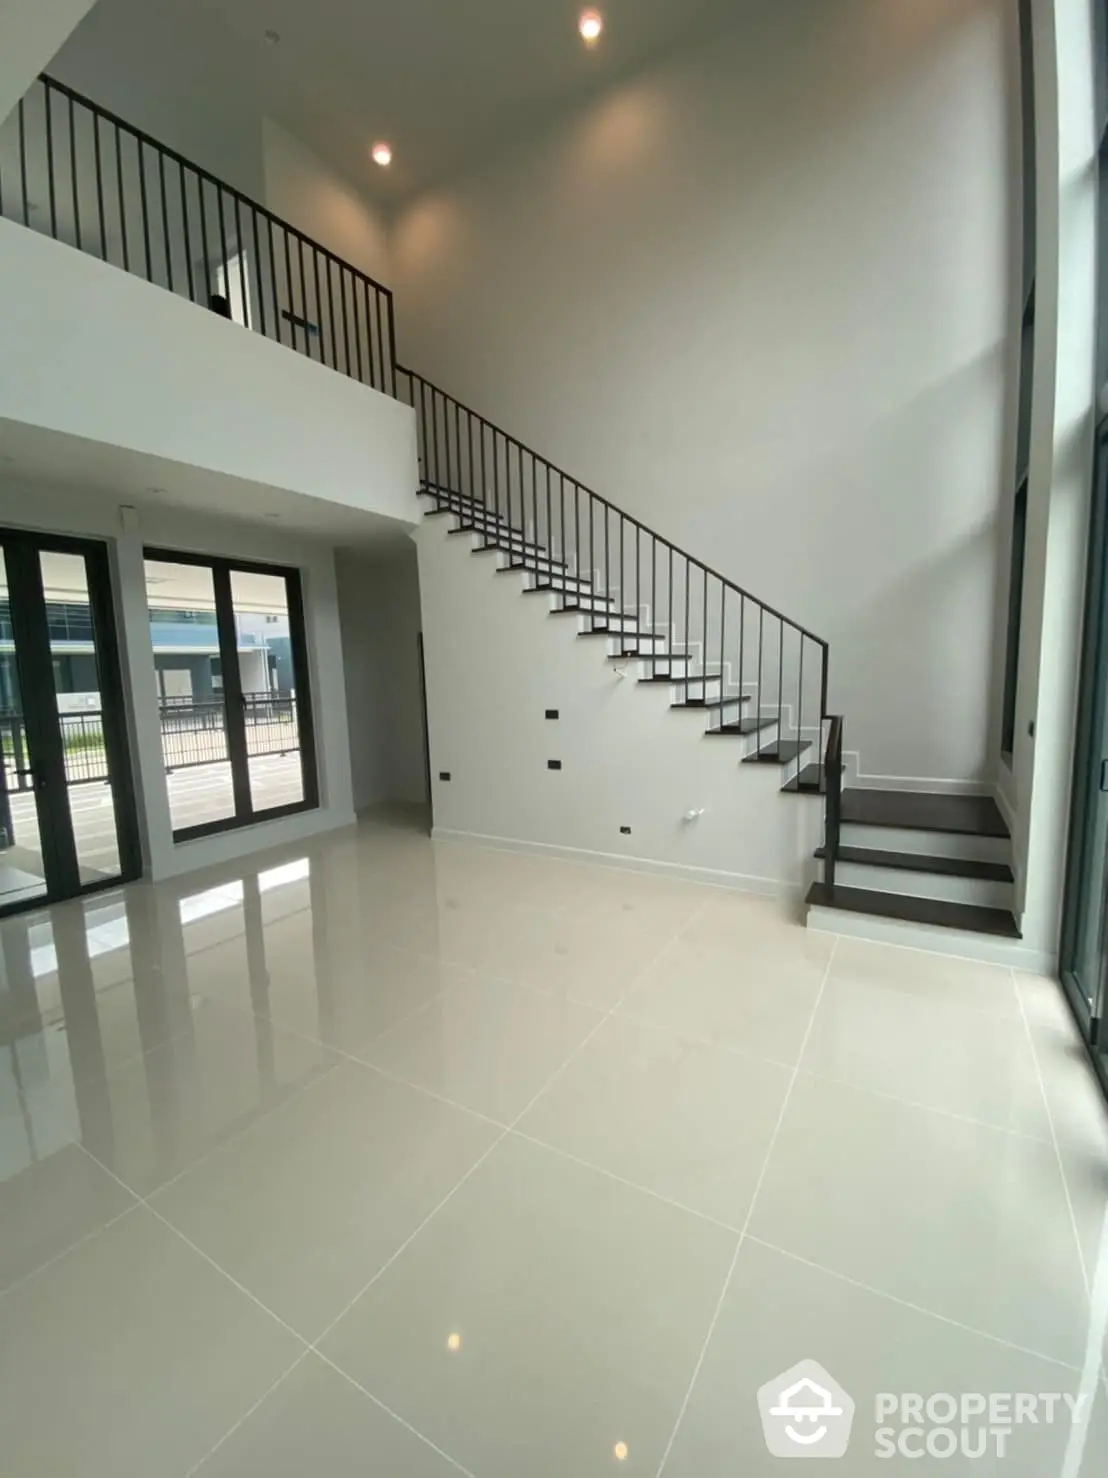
column 193, row 733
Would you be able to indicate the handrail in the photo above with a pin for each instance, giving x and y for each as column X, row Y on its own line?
column 180, row 160
column 613, row 507
column 719, row 645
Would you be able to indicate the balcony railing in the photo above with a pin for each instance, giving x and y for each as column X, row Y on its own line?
column 72, row 170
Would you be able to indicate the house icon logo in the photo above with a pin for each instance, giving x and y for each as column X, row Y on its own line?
column 806, row 1413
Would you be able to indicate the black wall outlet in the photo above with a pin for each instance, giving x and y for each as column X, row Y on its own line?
column 444, row 774
column 553, row 764
column 552, row 713
column 625, row 831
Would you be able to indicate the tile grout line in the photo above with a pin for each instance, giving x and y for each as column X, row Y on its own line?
column 499, row 1140
column 904, row 1303
column 749, row 1215
column 1041, row 1079
column 309, row 1345
column 248, row 1413
column 1096, row 1295
column 73, row 1247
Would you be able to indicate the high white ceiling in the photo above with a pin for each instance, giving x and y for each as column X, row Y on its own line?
column 444, row 81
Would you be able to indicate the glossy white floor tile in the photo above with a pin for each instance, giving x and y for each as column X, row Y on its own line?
column 576, row 1305
column 556, row 1164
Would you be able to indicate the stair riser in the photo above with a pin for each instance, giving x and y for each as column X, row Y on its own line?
column 926, row 843
column 983, row 892
column 912, row 936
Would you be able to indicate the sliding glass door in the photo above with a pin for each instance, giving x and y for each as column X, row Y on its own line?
column 67, row 818
column 233, row 700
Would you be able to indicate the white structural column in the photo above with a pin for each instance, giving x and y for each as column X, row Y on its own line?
column 1038, row 787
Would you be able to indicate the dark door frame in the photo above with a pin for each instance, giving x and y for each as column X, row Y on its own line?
column 222, row 568
column 38, row 694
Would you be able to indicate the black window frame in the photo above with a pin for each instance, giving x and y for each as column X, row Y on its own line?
column 222, row 567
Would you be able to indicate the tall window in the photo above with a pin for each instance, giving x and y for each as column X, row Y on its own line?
column 1026, row 369
column 233, row 701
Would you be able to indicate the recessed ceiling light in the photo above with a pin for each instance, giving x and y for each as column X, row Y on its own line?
column 272, row 38
column 591, row 24
column 382, row 154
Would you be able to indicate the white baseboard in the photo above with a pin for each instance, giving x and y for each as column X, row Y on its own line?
column 738, row 882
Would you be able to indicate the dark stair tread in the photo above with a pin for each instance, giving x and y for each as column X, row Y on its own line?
column 948, row 867
column 964, row 815
column 780, row 753
column 599, row 631
column 968, row 916
column 711, row 702
column 810, row 781
column 672, row 678
column 744, row 726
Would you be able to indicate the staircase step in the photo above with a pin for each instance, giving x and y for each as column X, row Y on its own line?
column 950, row 867
column 964, row 815
column 742, row 728
column 965, row 916
column 778, row 754
column 810, row 781
column 703, row 704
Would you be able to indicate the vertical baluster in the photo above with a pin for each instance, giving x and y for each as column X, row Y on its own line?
column 369, row 292
column 145, row 206
column 800, row 704
column 241, row 244
column 654, row 601
column 262, row 326
column 357, row 329
column 379, row 307
column 165, row 222
column 535, row 513
column 305, row 315
column 330, row 314
column 318, row 305
column 638, row 584
column 51, row 183
column 484, row 468
column 758, row 687
column 704, row 693
column 345, row 323
column 688, row 629
column 23, row 163
column 671, row 643
column 469, row 450
column 290, row 298
column 435, row 426
column 99, row 187
column 722, row 649
column 780, row 675
column 205, row 245
column 742, row 652
column 73, row 174
column 188, row 237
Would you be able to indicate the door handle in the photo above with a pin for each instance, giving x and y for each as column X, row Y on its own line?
column 1104, row 776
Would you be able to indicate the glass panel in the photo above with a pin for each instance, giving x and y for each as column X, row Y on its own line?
column 263, row 636
column 75, row 660
column 22, row 872
column 185, row 639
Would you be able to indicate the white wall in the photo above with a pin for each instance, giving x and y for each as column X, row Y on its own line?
column 94, row 352
column 176, row 81
column 760, row 297
column 497, row 660
column 96, row 516
column 379, row 608
column 303, row 190
column 30, row 33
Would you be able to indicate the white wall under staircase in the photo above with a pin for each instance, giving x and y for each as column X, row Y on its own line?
column 497, row 660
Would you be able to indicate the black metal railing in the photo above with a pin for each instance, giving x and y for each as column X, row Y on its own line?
column 833, row 813
column 724, row 648
column 78, row 173
column 82, row 175
column 194, row 731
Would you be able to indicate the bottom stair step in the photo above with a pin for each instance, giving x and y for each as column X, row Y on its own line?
column 967, row 916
